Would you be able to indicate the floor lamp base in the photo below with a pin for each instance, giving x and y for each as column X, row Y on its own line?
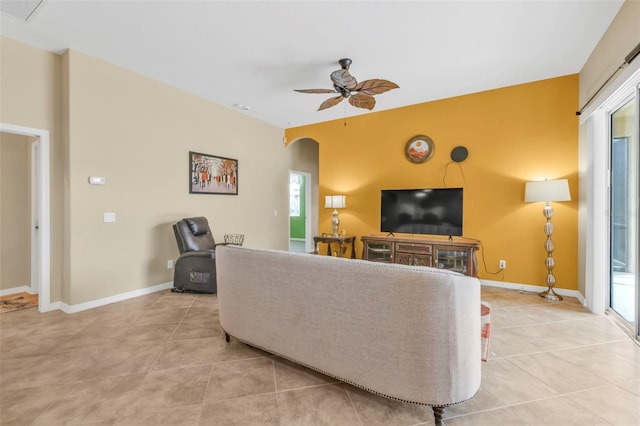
column 550, row 295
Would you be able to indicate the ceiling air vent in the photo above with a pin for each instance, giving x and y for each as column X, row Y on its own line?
column 21, row 9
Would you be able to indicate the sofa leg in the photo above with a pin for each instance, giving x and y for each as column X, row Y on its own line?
column 227, row 337
column 438, row 413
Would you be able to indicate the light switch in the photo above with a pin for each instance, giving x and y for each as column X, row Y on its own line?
column 109, row 217
column 96, row 180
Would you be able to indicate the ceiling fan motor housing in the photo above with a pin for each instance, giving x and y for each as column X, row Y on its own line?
column 345, row 63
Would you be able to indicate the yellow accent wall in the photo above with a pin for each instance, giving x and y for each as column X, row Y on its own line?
column 513, row 134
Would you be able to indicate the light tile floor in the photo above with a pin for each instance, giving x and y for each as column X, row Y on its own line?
column 161, row 359
column 297, row 246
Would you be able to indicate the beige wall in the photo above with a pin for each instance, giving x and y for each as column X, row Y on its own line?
column 137, row 132
column 620, row 38
column 15, row 211
column 30, row 93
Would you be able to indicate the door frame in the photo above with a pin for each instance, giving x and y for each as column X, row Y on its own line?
column 610, row 310
column 594, row 188
column 35, row 250
column 41, row 214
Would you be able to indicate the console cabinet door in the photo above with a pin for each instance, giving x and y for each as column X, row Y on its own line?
column 414, row 259
column 404, row 258
column 421, row 260
column 377, row 251
column 454, row 259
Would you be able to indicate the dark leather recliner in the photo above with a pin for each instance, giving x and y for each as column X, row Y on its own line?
column 195, row 269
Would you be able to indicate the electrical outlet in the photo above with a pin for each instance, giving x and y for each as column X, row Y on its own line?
column 503, row 264
column 170, row 264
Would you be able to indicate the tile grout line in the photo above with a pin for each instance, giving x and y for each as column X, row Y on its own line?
column 355, row 410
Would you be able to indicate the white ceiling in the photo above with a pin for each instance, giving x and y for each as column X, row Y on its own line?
column 255, row 53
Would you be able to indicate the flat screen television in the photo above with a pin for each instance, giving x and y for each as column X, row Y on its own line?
column 422, row 211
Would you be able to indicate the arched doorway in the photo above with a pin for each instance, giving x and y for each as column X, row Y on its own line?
column 303, row 194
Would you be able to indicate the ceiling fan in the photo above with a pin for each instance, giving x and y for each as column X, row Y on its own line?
column 360, row 95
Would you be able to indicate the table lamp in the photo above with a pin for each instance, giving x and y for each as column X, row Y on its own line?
column 335, row 202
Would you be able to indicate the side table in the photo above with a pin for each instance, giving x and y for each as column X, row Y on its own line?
column 236, row 239
column 341, row 240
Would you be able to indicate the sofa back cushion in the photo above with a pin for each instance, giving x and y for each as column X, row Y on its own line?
column 409, row 333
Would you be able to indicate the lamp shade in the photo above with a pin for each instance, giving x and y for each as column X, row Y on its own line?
column 335, row 201
column 547, row 190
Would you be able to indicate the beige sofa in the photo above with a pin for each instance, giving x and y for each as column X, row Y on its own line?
column 406, row 333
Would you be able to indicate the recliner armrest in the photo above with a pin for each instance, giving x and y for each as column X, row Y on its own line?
column 208, row 254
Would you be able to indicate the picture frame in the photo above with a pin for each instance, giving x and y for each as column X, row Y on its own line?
column 419, row 149
column 212, row 174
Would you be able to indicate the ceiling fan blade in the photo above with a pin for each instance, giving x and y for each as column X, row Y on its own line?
column 330, row 102
column 314, row 90
column 361, row 100
column 375, row 86
column 342, row 78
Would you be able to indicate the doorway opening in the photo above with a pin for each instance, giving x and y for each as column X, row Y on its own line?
column 40, row 212
column 299, row 211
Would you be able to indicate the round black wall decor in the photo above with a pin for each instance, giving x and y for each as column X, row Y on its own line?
column 459, row 154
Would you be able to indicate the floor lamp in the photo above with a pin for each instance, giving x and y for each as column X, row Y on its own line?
column 335, row 202
column 548, row 191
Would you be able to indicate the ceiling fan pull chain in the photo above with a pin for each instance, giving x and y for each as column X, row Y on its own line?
column 345, row 114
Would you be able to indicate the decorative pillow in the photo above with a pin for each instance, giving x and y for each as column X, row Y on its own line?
column 485, row 328
column 198, row 225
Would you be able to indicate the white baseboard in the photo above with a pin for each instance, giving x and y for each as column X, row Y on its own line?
column 70, row 309
column 21, row 289
column 534, row 289
column 165, row 286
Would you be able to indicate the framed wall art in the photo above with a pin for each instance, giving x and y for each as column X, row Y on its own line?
column 419, row 149
column 210, row 174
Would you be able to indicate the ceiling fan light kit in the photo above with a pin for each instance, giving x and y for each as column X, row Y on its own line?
column 360, row 95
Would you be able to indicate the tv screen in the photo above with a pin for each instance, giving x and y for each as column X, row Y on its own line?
column 422, row 211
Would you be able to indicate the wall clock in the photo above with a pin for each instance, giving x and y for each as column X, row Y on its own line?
column 419, row 149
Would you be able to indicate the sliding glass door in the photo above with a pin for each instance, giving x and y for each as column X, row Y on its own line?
column 623, row 220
